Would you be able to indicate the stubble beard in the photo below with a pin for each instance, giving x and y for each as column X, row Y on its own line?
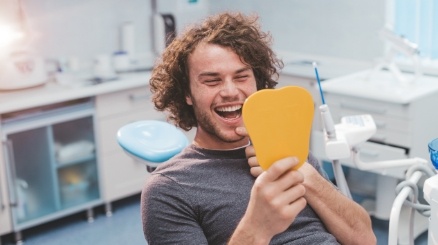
column 206, row 123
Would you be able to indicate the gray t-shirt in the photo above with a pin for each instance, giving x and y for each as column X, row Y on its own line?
column 199, row 196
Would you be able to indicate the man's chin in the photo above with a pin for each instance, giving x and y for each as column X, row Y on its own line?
column 232, row 138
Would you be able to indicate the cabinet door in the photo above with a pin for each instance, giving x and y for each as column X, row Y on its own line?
column 32, row 185
column 75, row 162
column 121, row 175
column 5, row 216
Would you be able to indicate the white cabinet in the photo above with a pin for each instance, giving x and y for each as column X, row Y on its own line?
column 58, row 149
column 49, row 162
column 121, row 176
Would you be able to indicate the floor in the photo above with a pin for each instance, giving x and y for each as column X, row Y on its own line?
column 123, row 227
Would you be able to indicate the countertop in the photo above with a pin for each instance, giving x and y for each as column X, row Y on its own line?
column 297, row 64
column 383, row 86
column 53, row 92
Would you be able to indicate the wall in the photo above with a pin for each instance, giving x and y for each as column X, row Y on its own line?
column 86, row 28
column 339, row 28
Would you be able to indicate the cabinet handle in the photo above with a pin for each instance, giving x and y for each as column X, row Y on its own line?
column 134, row 98
column 10, row 173
column 363, row 108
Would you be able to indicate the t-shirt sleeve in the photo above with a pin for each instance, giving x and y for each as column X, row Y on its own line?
column 167, row 215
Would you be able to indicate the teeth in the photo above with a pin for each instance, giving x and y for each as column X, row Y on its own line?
column 229, row 108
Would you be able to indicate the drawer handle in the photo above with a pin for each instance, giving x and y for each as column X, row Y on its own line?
column 381, row 138
column 363, row 108
column 135, row 98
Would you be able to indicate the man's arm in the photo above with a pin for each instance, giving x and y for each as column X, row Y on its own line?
column 276, row 199
column 345, row 219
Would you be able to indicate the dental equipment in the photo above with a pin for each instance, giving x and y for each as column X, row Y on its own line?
column 408, row 189
column 341, row 142
column 399, row 45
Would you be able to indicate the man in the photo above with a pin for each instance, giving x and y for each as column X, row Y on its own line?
column 215, row 193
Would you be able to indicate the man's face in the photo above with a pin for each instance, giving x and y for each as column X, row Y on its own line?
column 219, row 84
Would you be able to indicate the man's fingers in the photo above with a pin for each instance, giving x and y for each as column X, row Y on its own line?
column 280, row 167
column 252, row 162
column 250, row 151
column 241, row 131
column 256, row 171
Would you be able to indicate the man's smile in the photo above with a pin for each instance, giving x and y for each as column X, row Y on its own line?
column 229, row 112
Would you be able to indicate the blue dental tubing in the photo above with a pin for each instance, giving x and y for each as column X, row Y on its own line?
column 330, row 131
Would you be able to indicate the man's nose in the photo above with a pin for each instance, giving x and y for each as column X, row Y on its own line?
column 229, row 88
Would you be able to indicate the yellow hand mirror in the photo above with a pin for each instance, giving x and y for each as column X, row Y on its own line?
column 279, row 122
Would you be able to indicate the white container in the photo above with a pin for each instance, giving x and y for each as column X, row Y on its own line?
column 22, row 69
column 103, row 67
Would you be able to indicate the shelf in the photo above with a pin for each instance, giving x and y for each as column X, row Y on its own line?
column 75, row 161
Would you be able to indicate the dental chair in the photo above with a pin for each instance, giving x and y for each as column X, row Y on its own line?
column 152, row 142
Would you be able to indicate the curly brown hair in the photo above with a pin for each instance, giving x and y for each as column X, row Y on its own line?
column 170, row 77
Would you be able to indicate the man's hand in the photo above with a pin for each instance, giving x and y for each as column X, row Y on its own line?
column 256, row 170
column 277, row 197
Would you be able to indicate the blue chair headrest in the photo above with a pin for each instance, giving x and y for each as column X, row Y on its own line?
column 151, row 140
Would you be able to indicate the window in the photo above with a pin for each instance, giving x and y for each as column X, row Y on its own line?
column 417, row 20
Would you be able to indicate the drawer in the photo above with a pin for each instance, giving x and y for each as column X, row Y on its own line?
column 365, row 106
column 121, row 176
column 107, row 128
column 383, row 122
column 123, row 101
column 373, row 152
column 369, row 152
column 390, row 130
column 392, row 138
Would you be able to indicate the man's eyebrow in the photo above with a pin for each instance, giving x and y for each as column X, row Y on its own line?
column 243, row 70
column 208, row 74
column 213, row 74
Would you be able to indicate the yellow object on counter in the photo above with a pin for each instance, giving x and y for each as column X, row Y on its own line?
column 279, row 123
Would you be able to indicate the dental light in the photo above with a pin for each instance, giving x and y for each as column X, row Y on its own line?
column 399, row 45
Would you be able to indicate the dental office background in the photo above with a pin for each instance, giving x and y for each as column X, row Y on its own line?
column 82, row 29
column 74, row 33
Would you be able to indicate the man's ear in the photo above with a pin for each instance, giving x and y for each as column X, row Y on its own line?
column 189, row 100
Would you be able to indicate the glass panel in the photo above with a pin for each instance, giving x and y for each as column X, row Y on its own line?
column 34, row 179
column 76, row 161
column 74, row 140
column 78, row 183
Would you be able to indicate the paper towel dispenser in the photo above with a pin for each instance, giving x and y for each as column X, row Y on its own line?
column 164, row 31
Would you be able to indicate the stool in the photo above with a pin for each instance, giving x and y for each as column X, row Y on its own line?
column 151, row 141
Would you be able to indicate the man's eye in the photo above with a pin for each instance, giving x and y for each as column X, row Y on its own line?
column 212, row 82
column 241, row 78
